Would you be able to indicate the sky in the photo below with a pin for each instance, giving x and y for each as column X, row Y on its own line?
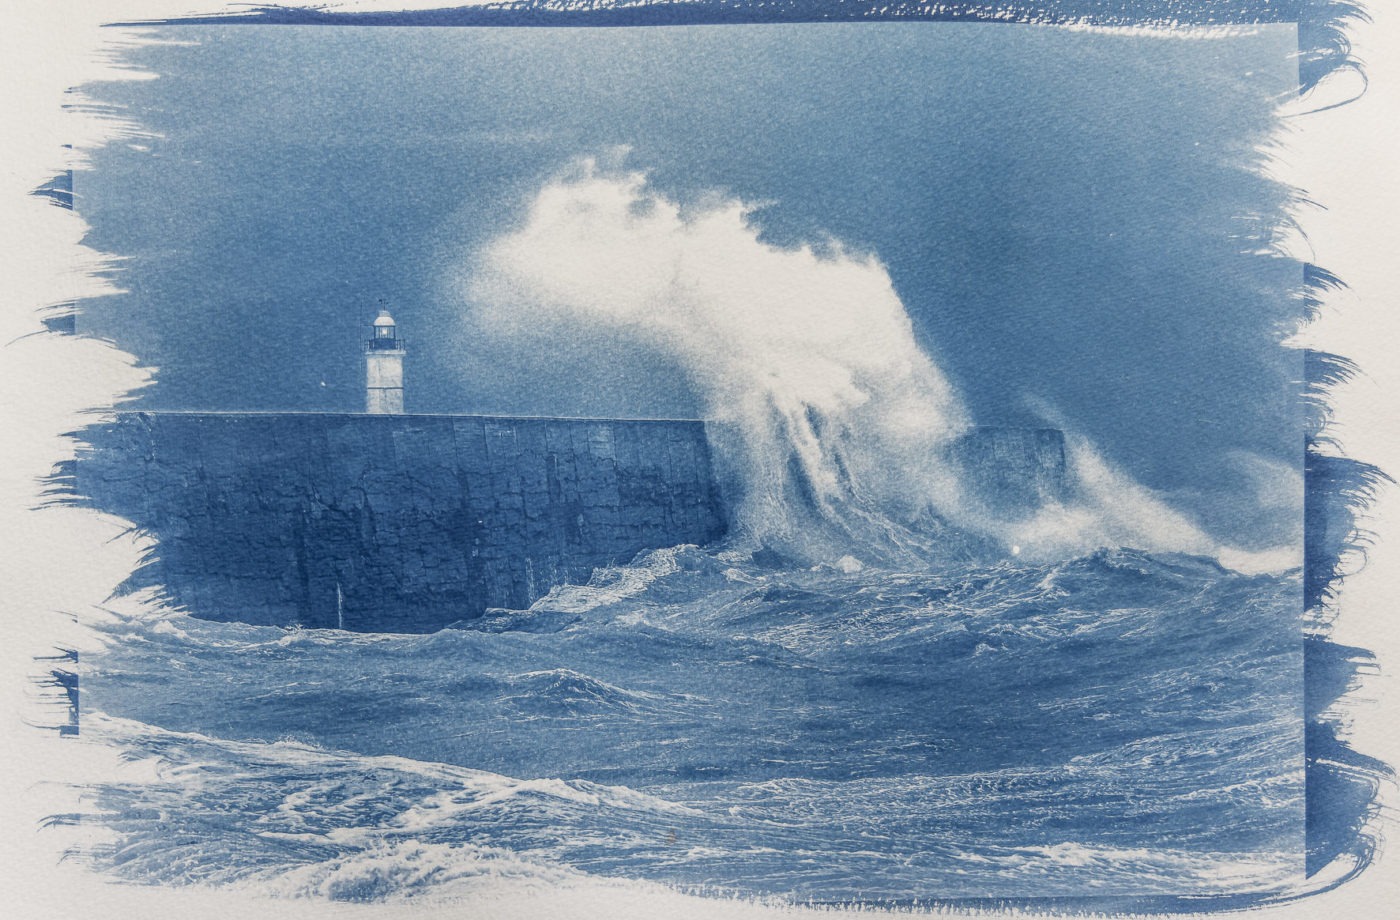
column 1075, row 222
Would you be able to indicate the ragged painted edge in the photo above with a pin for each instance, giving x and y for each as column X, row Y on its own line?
column 58, row 685
column 1323, row 45
column 1342, row 785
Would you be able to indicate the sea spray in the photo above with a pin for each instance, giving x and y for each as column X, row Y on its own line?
column 829, row 423
column 827, row 418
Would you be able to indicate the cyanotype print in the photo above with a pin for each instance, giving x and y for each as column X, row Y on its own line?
column 845, row 463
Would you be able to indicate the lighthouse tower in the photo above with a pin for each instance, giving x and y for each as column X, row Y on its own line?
column 384, row 368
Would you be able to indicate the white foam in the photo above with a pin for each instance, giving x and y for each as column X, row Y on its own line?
column 820, row 400
column 612, row 584
column 826, row 417
column 1111, row 510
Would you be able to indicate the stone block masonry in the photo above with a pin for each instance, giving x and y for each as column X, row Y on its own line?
column 1013, row 471
column 407, row 523
column 393, row 523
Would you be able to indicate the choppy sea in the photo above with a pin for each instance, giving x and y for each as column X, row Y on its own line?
column 1118, row 724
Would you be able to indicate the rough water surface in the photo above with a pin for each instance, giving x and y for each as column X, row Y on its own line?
column 1118, row 724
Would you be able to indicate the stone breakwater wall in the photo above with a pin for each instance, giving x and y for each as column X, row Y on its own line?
column 393, row 523
column 1013, row 470
column 409, row 523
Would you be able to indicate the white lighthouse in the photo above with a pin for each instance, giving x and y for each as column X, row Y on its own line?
column 384, row 368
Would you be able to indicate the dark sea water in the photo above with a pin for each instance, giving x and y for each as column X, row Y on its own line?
column 1121, row 723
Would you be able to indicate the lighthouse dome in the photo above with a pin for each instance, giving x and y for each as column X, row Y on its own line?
column 383, row 319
